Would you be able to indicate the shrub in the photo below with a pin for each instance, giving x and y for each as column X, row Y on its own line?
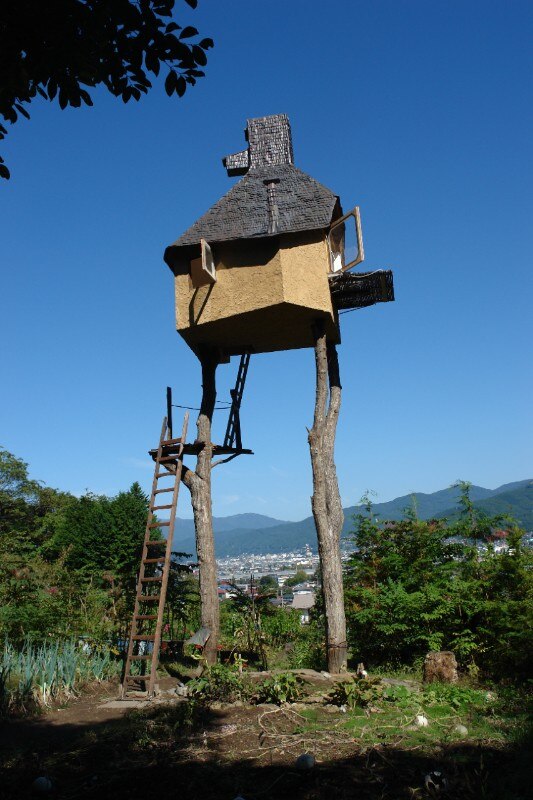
column 282, row 688
column 221, row 683
column 360, row 692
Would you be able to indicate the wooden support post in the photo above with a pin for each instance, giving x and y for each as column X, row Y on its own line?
column 326, row 501
column 199, row 484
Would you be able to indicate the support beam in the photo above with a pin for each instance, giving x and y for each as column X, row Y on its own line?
column 199, row 485
column 326, row 502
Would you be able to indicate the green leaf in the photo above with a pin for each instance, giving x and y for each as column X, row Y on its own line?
column 188, row 31
column 199, row 55
column 180, row 86
column 170, row 82
column 86, row 97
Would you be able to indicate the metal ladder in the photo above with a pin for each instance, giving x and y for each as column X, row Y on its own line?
column 153, row 576
column 233, row 431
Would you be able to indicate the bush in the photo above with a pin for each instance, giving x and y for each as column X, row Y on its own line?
column 360, row 692
column 221, row 683
column 414, row 586
column 282, row 688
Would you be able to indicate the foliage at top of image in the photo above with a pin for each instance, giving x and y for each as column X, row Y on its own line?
column 62, row 48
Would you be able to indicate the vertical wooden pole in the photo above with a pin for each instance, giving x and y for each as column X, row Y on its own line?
column 326, row 501
column 199, row 484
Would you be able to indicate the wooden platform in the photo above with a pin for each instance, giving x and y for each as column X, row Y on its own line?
column 194, row 448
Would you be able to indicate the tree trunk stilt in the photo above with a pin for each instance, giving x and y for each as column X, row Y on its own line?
column 199, row 485
column 326, row 501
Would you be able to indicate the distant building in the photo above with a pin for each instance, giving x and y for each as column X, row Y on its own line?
column 303, row 601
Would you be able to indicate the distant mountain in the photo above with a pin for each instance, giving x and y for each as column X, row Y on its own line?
column 257, row 534
column 517, row 503
column 185, row 527
column 427, row 505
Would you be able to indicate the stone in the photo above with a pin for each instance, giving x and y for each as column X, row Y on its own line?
column 421, row 721
column 123, row 704
column 42, row 785
column 461, row 730
column 305, row 761
column 435, row 782
column 440, row 667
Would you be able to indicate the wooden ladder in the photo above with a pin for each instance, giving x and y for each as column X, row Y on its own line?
column 155, row 567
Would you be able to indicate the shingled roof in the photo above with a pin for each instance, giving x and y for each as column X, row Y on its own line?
column 273, row 197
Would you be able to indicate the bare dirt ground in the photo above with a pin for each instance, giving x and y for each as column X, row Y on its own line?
column 94, row 748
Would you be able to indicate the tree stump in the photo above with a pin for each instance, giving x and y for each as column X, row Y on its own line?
column 440, row 667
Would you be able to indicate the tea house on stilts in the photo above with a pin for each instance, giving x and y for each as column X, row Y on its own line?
column 269, row 259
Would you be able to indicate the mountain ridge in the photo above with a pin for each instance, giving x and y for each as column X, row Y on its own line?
column 515, row 498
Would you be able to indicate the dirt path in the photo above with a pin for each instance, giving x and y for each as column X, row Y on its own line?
column 97, row 747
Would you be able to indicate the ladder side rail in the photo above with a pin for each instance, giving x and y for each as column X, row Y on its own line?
column 241, row 377
column 233, row 430
column 168, row 555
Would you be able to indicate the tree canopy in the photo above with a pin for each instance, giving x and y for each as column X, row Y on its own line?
column 57, row 48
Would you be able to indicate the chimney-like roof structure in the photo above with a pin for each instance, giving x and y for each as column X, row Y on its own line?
column 273, row 197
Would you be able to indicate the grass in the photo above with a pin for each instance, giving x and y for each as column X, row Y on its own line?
column 390, row 720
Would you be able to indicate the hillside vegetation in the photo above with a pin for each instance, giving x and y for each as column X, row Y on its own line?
column 265, row 536
column 68, row 566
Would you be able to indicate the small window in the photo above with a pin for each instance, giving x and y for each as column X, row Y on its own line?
column 203, row 270
column 345, row 242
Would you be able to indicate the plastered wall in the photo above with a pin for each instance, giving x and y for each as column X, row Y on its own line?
column 267, row 294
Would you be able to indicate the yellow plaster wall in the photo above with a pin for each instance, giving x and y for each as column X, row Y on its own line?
column 304, row 263
column 241, row 286
column 267, row 294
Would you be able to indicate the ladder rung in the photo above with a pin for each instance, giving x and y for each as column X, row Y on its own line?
column 143, row 678
column 169, row 489
column 158, row 524
column 160, row 508
column 165, row 442
column 165, row 475
column 151, row 580
column 142, row 638
column 140, row 658
column 155, row 560
column 146, row 598
column 154, row 542
column 164, row 459
column 145, row 616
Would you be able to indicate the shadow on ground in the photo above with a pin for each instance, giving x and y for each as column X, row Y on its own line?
column 190, row 752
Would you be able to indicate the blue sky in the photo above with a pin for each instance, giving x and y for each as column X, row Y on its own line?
column 419, row 112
